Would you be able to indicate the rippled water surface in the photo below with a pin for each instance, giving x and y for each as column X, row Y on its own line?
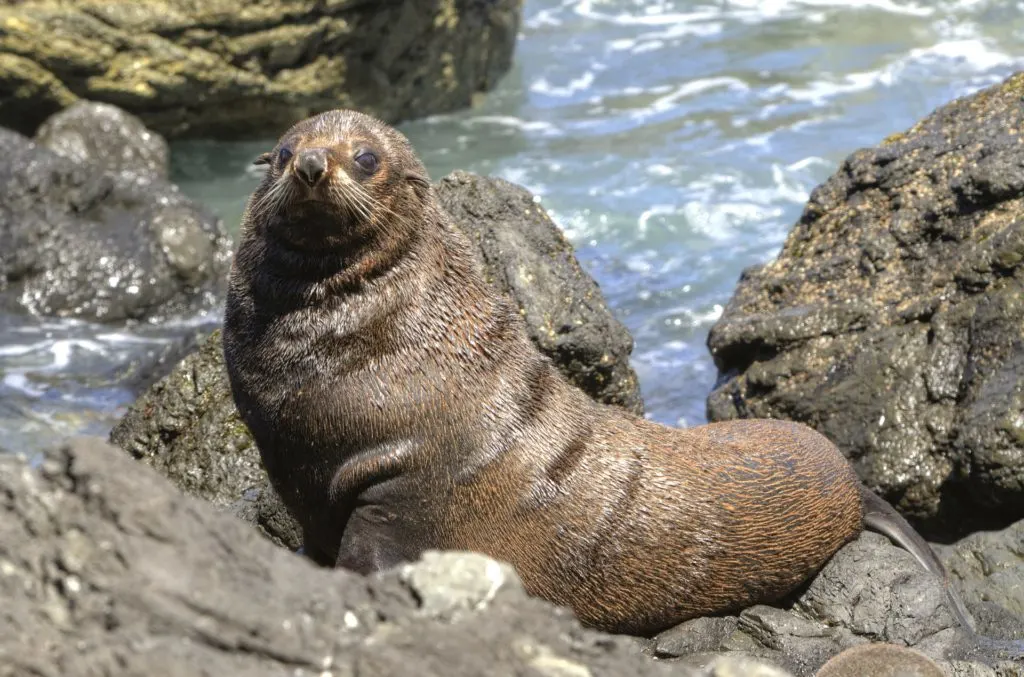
column 675, row 142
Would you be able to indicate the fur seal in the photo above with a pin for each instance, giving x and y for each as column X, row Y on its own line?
column 399, row 406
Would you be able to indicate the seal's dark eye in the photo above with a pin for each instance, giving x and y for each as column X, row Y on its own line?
column 284, row 155
column 367, row 161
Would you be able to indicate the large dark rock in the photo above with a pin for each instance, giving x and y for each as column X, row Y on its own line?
column 525, row 254
column 186, row 424
column 891, row 321
column 231, row 68
column 870, row 591
column 106, row 569
column 78, row 241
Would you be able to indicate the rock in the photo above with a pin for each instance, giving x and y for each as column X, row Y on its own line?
column 187, row 425
column 226, row 69
column 152, row 363
column 870, row 591
column 106, row 569
column 106, row 136
column 76, row 241
column 990, row 568
column 891, row 319
column 525, row 254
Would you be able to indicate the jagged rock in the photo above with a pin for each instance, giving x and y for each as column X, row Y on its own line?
column 106, row 136
column 891, row 319
column 990, row 567
column 229, row 68
column 187, row 426
column 870, row 591
column 77, row 241
column 108, row 570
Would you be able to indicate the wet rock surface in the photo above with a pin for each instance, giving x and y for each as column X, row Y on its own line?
column 107, row 136
column 186, row 424
column 107, row 569
column 225, row 68
column 892, row 319
column 82, row 242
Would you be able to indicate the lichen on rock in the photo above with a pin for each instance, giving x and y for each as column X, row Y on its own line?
column 230, row 68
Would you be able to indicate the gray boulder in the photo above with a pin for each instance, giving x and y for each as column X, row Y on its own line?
column 106, row 569
column 186, row 424
column 107, row 136
column 990, row 567
column 891, row 319
column 228, row 68
column 78, row 241
column 870, row 591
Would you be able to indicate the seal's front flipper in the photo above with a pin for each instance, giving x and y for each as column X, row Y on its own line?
column 370, row 543
column 882, row 517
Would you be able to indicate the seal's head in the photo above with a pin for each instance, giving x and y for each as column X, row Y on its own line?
column 337, row 178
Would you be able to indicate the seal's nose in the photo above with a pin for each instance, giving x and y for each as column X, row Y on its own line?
column 311, row 165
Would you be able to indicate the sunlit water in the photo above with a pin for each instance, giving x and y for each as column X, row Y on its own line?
column 675, row 142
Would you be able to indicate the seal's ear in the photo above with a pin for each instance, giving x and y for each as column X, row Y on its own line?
column 419, row 181
column 263, row 159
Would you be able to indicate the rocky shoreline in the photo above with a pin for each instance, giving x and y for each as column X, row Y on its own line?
column 892, row 321
column 228, row 69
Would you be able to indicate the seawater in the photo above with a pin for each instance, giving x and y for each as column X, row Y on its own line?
column 674, row 142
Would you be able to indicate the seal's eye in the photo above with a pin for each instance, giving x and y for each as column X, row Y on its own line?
column 284, row 155
column 367, row 161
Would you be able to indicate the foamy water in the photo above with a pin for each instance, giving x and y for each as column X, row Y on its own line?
column 675, row 142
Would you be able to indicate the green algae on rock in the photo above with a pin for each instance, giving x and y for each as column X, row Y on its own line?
column 231, row 69
column 892, row 320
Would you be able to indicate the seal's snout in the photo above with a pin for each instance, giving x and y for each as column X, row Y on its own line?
column 311, row 165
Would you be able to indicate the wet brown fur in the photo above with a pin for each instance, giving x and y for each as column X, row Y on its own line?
column 399, row 406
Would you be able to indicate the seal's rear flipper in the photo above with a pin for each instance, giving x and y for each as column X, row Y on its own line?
column 882, row 517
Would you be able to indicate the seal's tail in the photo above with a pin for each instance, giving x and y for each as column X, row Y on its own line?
column 882, row 517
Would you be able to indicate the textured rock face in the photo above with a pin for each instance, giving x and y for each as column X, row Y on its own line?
column 229, row 68
column 990, row 566
column 186, row 424
column 892, row 321
column 79, row 241
column 107, row 136
column 106, row 569
column 871, row 591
